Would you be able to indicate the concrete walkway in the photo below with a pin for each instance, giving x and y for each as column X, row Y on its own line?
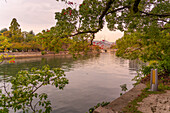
column 121, row 102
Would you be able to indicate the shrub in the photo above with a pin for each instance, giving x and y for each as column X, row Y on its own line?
column 43, row 52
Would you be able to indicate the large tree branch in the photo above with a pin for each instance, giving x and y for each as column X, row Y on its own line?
column 105, row 12
column 152, row 14
column 108, row 5
column 165, row 28
column 93, row 36
column 162, row 20
column 135, row 9
column 135, row 6
column 118, row 9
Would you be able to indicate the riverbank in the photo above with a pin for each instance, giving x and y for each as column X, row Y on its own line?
column 33, row 54
column 118, row 104
column 139, row 99
column 38, row 54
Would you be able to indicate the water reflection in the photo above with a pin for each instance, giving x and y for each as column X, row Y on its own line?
column 92, row 79
column 64, row 62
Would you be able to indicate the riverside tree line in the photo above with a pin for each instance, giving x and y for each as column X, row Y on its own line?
column 17, row 41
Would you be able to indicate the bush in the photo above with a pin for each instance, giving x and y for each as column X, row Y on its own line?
column 99, row 104
column 43, row 52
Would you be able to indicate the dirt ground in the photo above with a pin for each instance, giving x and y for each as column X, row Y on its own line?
column 156, row 103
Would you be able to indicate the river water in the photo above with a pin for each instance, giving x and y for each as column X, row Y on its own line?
column 92, row 79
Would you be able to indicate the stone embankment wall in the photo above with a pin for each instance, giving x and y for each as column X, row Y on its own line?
column 34, row 54
column 38, row 54
column 117, row 105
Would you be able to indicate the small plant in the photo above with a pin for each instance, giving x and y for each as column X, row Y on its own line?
column 43, row 52
column 124, row 88
column 99, row 104
column 162, row 78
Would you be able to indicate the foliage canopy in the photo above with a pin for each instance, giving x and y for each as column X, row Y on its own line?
column 91, row 15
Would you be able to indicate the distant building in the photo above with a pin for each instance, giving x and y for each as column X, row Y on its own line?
column 104, row 44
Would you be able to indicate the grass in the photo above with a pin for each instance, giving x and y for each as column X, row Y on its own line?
column 133, row 105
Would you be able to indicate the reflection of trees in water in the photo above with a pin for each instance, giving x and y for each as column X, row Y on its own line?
column 122, row 61
column 118, row 60
column 65, row 62
column 85, row 59
column 132, row 65
column 135, row 64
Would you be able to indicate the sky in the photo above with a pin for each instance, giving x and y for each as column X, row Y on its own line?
column 37, row 15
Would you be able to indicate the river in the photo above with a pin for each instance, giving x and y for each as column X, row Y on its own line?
column 92, row 79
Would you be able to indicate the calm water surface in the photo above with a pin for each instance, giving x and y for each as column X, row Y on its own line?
column 92, row 79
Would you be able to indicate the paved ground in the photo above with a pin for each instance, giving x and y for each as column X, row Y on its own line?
column 156, row 103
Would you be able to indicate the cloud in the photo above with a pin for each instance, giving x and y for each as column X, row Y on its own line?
column 37, row 15
column 108, row 35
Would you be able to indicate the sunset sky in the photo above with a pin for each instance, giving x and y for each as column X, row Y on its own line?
column 37, row 15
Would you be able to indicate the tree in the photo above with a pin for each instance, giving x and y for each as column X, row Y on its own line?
column 28, row 36
column 24, row 87
column 15, row 31
column 3, row 30
column 4, row 43
column 6, row 34
column 146, row 21
column 151, row 48
column 52, row 40
column 31, row 32
column 147, row 17
column 122, row 15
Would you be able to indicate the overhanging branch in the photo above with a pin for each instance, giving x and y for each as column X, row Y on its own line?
column 165, row 28
column 158, row 15
column 108, row 5
column 135, row 6
column 118, row 9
